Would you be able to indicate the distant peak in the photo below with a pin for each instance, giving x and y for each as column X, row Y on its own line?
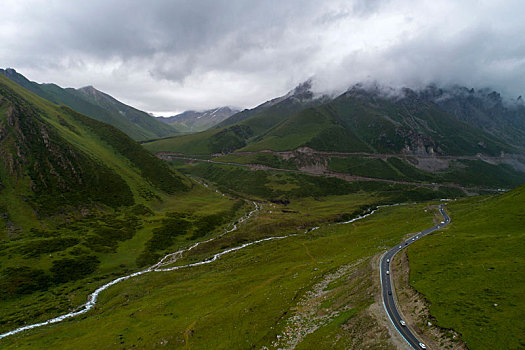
column 88, row 88
column 303, row 87
column 10, row 72
column 302, row 91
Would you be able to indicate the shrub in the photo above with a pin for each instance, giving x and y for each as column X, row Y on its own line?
column 43, row 246
column 22, row 280
column 70, row 269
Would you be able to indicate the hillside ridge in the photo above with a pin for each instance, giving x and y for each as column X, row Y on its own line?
column 98, row 105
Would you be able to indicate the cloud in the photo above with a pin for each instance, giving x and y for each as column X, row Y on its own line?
column 169, row 56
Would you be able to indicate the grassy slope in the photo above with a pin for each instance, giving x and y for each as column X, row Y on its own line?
column 75, row 237
column 292, row 132
column 464, row 172
column 190, row 144
column 263, row 158
column 470, row 173
column 92, row 141
column 254, row 123
column 281, row 186
column 138, row 122
column 354, row 125
column 138, row 125
column 359, row 124
column 350, row 124
column 397, row 120
column 116, row 240
column 243, row 299
column 476, row 263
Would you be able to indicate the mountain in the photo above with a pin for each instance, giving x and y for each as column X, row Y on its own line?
column 361, row 120
column 89, row 101
column 272, row 112
column 457, row 121
column 193, row 121
column 82, row 206
column 54, row 160
column 148, row 126
column 401, row 135
column 238, row 130
column 484, row 109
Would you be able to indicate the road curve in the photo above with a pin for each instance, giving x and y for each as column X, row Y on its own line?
column 386, row 283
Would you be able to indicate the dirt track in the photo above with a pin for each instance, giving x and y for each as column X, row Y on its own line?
column 321, row 169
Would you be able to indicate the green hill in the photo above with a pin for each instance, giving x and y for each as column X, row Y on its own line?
column 80, row 203
column 242, row 128
column 98, row 105
column 357, row 121
column 360, row 122
column 472, row 273
column 53, row 157
column 409, row 137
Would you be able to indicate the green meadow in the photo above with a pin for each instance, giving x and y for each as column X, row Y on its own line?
column 53, row 270
column 249, row 297
column 472, row 273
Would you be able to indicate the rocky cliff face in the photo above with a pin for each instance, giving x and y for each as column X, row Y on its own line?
column 484, row 109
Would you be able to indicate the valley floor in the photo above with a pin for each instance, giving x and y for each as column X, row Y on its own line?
column 302, row 274
column 313, row 288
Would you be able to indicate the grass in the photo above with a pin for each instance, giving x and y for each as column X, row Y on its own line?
column 263, row 158
column 206, row 142
column 136, row 124
column 245, row 297
column 464, row 172
column 480, row 173
column 274, row 185
column 365, row 166
column 292, row 133
column 472, row 273
column 349, row 124
column 66, row 260
column 71, row 161
column 50, row 265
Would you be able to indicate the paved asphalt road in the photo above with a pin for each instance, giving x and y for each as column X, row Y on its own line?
column 386, row 283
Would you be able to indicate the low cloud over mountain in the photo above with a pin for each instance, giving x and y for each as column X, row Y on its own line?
column 171, row 56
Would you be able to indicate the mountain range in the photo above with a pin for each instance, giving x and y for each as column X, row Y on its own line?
column 193, row 121
column 457, row 121
column 89, row 101
column 433, row 134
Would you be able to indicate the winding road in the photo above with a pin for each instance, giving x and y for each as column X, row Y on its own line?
column 387, row 293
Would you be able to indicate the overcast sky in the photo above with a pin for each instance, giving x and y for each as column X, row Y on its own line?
column 169, row 56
